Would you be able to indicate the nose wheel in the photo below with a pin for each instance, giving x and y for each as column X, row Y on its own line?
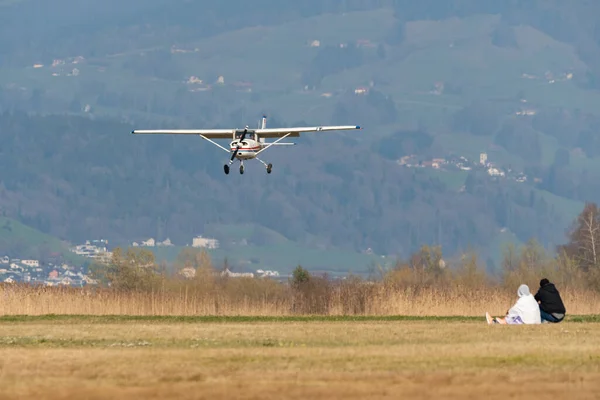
column 242, row 169
column 269, row 168
column 226, row 169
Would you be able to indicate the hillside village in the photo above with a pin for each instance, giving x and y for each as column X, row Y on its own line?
column 58, row 272
column 72, row 67
column 34, row 272
column 461, row 163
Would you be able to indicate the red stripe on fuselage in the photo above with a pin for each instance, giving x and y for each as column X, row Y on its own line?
column 246, row 149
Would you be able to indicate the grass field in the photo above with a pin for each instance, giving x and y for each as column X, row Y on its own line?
column 249, row 358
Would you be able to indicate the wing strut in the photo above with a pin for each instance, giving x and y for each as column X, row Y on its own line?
column 215, row 143
column 271, row 144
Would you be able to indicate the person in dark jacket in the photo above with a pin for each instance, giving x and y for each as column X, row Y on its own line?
column 552, row 308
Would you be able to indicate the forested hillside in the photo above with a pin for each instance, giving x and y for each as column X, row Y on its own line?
column 516, row 80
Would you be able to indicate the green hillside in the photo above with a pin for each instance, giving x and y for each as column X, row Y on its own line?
column 21, row 241
column 407, row 72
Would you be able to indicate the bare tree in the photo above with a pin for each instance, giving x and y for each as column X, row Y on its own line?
column 584, row 244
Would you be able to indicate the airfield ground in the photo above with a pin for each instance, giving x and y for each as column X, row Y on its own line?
column 60, row 357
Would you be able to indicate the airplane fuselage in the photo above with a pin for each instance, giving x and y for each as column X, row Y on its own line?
column 248, row 148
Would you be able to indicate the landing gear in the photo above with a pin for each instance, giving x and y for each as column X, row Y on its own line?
column 226, row 167
column 268, row 166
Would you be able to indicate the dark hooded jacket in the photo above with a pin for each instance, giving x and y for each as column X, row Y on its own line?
column 550, row 300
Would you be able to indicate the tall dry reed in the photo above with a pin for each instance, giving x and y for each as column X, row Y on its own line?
column 377, row 299
column 421, row 286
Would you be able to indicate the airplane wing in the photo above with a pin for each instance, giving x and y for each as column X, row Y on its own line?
column 263, row 133
column 295, row 132
column 209, row 133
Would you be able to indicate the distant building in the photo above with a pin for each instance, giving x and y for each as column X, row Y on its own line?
column 194, row 80
column 483, row 158
column 166, row 243
column 227, row 272
column 199, row 241
column 495, row 172
column 31, row 263
column 66, row 281
column 267, row 273
column 188, row 272
column 96, row 249
column 526, row 112
column 149, row 243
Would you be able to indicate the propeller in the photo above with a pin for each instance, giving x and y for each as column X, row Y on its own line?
column 238, row 145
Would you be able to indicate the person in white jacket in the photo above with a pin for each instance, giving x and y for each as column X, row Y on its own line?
column 525, row 311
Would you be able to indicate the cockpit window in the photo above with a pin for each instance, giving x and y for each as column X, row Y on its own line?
column 249, row 135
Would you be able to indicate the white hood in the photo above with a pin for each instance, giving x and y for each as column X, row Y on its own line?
column 526, row 307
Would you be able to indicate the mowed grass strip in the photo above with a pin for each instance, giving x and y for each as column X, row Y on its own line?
column 296, row 359
column 170, row 319
column 296, row 334
column 221, row 319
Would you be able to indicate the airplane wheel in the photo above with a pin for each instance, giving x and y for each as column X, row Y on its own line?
column 241, row 169
column 226, row 168
column 269, row 168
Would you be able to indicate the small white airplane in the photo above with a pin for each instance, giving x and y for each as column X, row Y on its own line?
column 246, row 143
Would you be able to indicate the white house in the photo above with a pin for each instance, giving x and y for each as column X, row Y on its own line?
column 166, row 243
column 263, row 273
column 495, row 172
column 208, row 243
column 149, row 243
column 483, row 158
column 31, row 263
column 188, row 272
column 227, row 272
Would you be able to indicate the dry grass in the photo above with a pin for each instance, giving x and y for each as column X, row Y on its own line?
column 68, row 359
column 361, row 299
column 417, row 288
